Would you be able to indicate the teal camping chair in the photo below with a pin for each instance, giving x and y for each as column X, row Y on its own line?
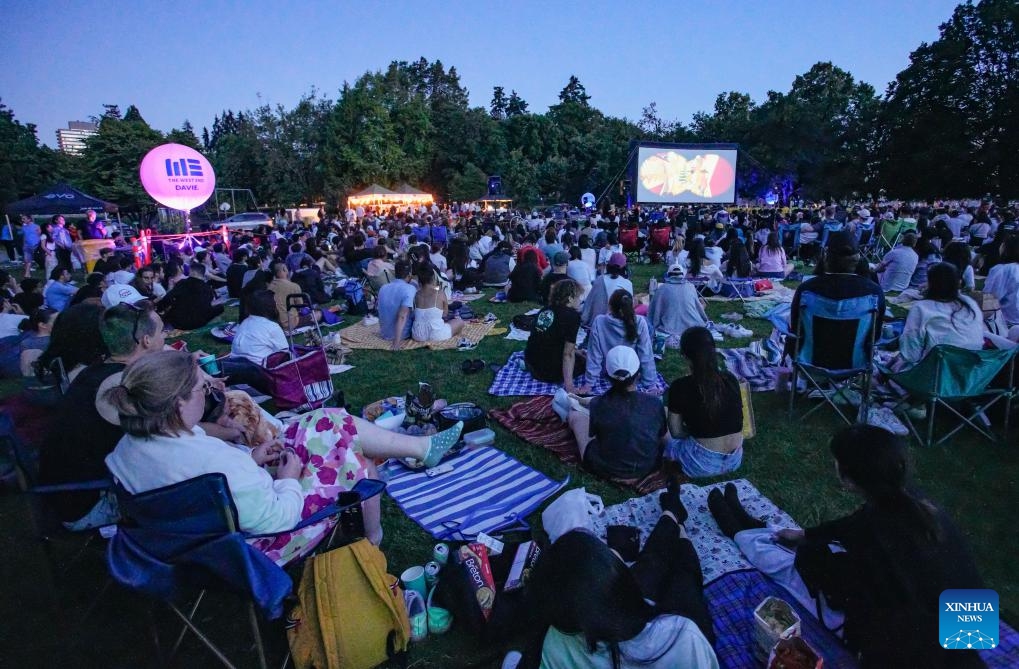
column 958, row 379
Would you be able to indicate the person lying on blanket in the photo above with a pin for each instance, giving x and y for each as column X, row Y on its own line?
column 591, row 611
column 551, row 354
column 875, row 575
column 621, row 435
column 162, row 397
column 705, row 411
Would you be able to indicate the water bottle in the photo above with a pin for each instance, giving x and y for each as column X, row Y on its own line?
column 652, row 286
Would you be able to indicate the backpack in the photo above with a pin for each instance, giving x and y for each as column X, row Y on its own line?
column 350, row 613
column 357, row 303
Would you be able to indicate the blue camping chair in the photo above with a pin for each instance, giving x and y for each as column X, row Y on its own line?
column 867, row 240
column 827, row 232
column 789, row 237
column 811, row 355
column 185, row 536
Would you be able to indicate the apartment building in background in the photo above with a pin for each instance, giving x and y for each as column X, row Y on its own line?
column 72, row 138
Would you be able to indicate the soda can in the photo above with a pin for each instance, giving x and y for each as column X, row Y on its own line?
column 432, row 570
column 440, row 553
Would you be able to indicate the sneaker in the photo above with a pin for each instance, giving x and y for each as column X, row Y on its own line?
column 714, row 329
column 740, row 331
column 883, row 417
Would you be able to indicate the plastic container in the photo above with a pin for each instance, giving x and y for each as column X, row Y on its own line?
column 391, row 421
column 483, row 437
column 767, row 630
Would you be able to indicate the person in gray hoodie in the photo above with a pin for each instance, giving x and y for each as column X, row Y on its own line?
column 675, row 305
column 621, row 326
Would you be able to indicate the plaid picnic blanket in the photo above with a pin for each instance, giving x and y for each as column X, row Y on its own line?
column 364, row 336
column 487, row 491
column 731, row 601
column 513, row 380
column 733, row 597
column 534, row 421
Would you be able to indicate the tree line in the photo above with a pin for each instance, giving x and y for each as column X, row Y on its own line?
column 947, row 126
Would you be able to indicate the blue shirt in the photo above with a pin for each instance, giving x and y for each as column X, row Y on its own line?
column 392, row 297
column 32, row 234
column 59, row 295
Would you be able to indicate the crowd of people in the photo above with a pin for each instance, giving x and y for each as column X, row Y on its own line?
column 153, row 417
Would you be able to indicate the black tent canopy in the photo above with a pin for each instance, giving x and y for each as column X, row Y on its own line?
column 60, row 198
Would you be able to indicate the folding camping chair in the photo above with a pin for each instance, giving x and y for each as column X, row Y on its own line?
column 889, row 234
column 789, row 238
column 826, row 233
column 46, row 525
column 658, row 242
column 834, row 384
column 866, row 240
column 949, row 376
column 185, row 536
column 629, row 239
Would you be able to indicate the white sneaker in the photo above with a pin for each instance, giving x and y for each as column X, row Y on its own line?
column 740, row 331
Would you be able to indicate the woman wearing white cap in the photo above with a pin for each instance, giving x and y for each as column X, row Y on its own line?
column 620, row 435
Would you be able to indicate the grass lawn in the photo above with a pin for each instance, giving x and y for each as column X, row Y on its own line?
column 788, row 461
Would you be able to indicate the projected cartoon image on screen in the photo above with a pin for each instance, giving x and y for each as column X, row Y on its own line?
column 668, row 173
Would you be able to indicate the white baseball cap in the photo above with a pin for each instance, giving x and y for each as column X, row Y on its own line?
column 622, row 362
column 120, row 292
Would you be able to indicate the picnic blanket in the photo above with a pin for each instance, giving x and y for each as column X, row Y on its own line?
column 757, row 363
column 364, row 336
column 731, row 601
column 487, row 491
column 717, row 553
column 534, row 421
column 512, row 380
column 458, row 296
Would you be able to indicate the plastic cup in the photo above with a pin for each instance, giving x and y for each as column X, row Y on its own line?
column 209, row 364
column 413, row 578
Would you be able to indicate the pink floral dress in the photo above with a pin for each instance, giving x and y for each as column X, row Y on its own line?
column 324, row 440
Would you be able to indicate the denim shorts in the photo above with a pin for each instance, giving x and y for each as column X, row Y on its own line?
column 700, row 462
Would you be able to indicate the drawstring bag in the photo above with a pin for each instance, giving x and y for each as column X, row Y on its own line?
column 574, row 510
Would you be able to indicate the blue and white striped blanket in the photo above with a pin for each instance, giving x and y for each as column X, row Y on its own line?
column 487, row 491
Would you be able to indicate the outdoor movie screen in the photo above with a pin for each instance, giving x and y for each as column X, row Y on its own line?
column 686, row 174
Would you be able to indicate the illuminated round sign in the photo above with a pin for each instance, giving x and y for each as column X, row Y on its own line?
column 177, row 176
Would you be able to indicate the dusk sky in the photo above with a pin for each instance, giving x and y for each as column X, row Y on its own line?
column 60, row 61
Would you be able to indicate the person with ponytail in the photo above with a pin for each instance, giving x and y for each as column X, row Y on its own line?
column 705, row 411
column 876, row 575
column 620, row 327
column 159, row 403
column 604, row 286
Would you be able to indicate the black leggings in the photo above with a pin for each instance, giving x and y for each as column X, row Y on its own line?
column 669, row 574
